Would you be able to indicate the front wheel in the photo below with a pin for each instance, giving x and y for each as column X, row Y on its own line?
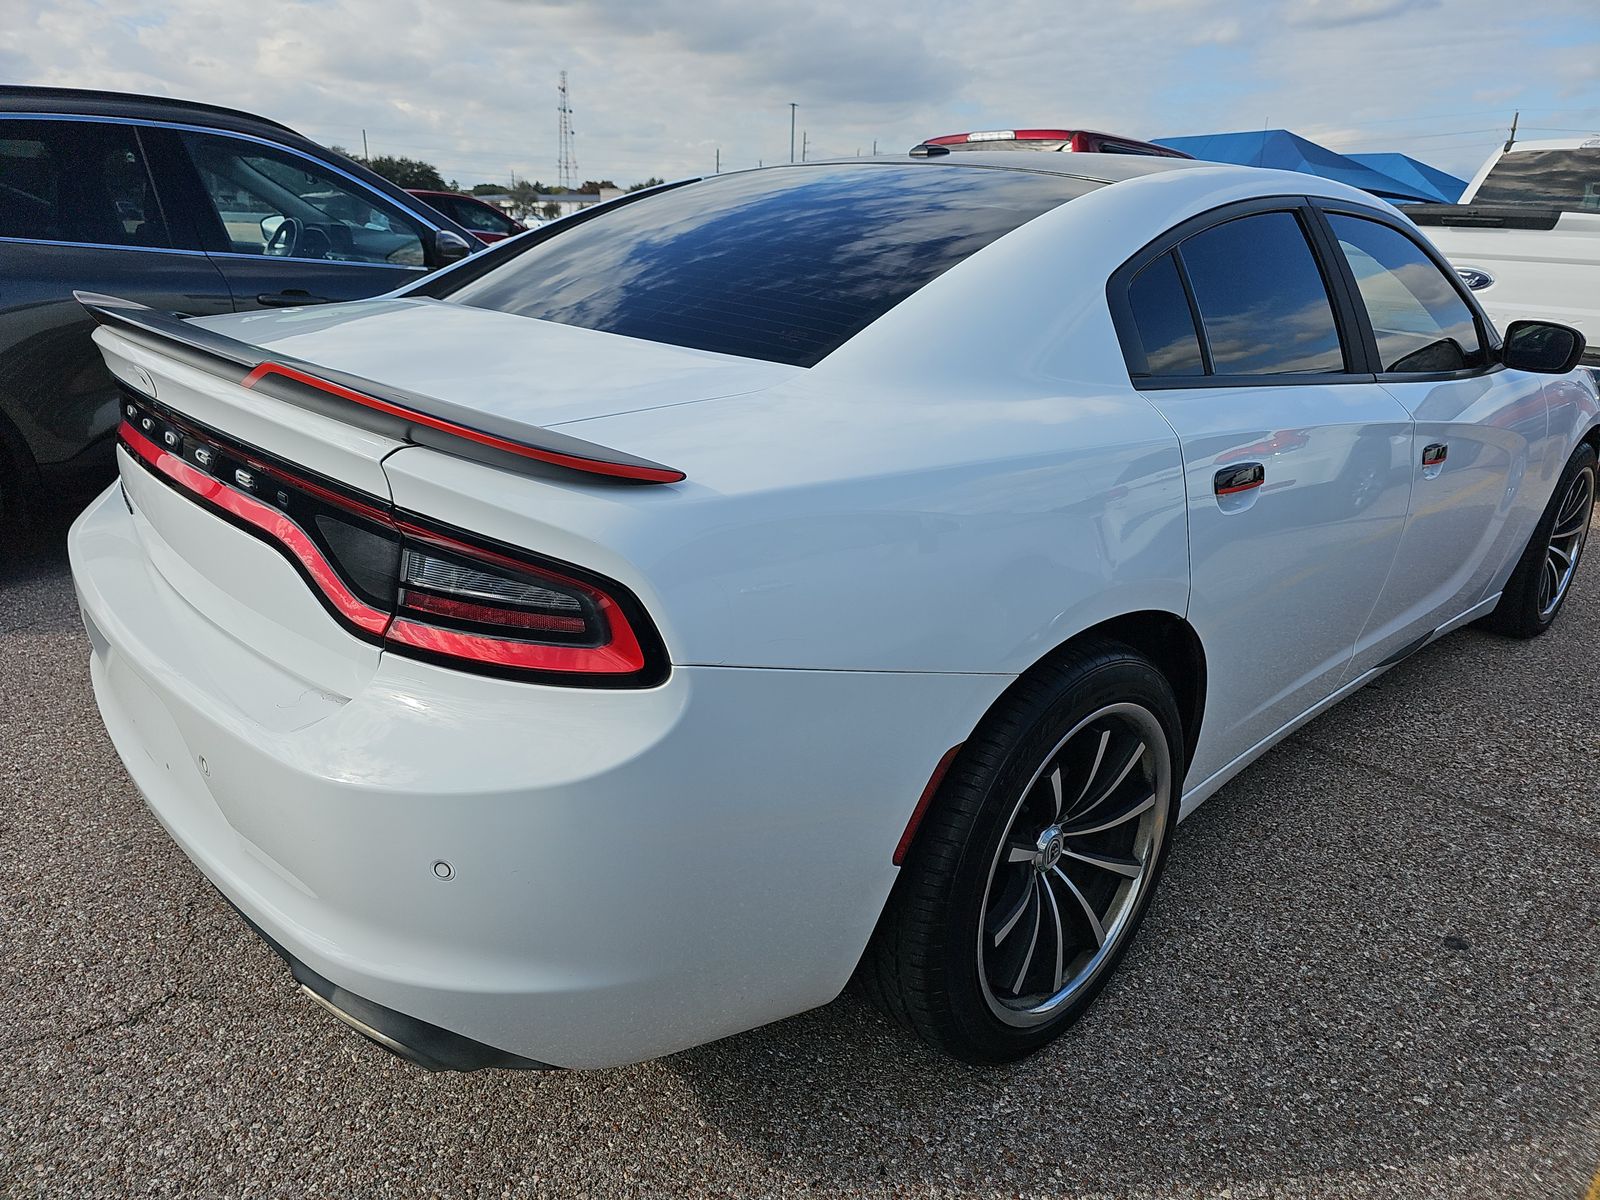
column 1538, row 587
column 1034, row 867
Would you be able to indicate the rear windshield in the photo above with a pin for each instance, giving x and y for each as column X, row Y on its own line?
column 1565, row 179
column 784, row 265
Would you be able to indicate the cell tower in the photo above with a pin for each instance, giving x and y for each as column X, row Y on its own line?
column 567, row 169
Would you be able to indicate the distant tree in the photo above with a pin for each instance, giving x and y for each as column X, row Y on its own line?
column 594, row 185
column 489, row 189
column 524, row 198
column 407, row 172
column 550, row 211
column 402, row 172
column 648, row 183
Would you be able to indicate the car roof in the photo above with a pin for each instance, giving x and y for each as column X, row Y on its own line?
column 1101, row 168
column 88, row 102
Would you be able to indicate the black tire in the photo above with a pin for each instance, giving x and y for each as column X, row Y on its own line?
column 1525, row 609
column 925, row 965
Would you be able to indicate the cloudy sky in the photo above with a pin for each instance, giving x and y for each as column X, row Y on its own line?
column 658, row 88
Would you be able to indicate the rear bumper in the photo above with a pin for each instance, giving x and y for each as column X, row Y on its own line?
column 575, row 878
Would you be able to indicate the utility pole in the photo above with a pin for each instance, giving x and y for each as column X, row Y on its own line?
column 567, row 168
column 365, row 153
column 804, row 137
column 1512, row 136
column 792, row 107
column 719, row 161
column 874, row 147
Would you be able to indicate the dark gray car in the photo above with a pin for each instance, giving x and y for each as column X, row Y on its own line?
column 184, row 207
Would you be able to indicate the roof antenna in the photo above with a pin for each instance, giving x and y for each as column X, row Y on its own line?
column 1512, row 136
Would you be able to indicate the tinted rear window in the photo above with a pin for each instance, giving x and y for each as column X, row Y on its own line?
column 784, row 265
column 1164, row 322
column 1564, row 179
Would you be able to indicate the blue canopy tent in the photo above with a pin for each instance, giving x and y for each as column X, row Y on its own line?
column 1285, row 151
column 1443, row 186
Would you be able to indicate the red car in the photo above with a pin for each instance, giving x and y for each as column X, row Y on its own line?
column 1082, row 141
column 487, row 223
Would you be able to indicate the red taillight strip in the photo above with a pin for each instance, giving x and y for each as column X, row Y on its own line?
column 465, row 610
column 621, row 657
column 592, row 466
column 265, row 518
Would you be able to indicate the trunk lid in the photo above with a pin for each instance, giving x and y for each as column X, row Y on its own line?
column 200, row 408
column 534, row 373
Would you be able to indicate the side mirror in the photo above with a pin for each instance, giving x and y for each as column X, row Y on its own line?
column 449, row 247
column 269, row 226
column 1542, row 346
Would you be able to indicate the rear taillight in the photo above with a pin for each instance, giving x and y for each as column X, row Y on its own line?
column 406, row 582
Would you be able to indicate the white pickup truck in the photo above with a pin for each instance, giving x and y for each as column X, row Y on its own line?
column 1526, row 235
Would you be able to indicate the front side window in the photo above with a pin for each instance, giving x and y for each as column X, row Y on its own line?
column 1419, row 319
column 1565, row 179
column 1262, row 299
column 785, row 264
column 278, row 204
column 77, row 181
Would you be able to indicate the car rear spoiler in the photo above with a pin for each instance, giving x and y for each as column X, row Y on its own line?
column 382, row 408
column 1482, row 216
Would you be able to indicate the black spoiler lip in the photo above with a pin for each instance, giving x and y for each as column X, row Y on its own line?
column 382, row 408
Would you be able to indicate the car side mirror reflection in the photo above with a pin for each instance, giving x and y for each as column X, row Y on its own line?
column 449, row 247
column 1542, row 346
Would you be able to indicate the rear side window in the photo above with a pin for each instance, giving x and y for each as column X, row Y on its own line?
column 77, row 181
column 1419, row 319
column 785, row 265
column 1164, row 322
column 1262, row 298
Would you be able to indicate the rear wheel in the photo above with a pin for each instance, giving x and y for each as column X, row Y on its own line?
column 1538, row 587
column 1035, row 865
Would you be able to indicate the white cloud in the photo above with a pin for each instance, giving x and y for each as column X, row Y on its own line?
column 658, row 87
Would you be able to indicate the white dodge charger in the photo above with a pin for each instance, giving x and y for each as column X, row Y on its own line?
column 621, row 639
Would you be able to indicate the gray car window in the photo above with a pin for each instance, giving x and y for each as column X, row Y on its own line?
column 256, row 190
column 1419, row 319
column 77, row 181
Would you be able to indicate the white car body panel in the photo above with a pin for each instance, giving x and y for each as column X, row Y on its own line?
column 1299, row 544
column 863, row 556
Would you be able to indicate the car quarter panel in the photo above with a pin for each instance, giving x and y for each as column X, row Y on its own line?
column 764, row 845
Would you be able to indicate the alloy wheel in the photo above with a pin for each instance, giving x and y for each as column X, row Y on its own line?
column 1567, row 538
column 1077, row 855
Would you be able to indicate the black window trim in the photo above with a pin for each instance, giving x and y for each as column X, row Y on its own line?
column 1488, row 337
column 1358, row 359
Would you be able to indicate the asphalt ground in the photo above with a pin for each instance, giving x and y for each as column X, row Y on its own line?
column 1373, row 970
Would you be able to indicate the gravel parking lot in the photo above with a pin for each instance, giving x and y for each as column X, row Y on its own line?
column 1373, row 970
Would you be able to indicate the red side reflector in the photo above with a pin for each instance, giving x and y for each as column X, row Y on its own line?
column 926, row 799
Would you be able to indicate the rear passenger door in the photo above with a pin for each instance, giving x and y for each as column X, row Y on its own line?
column 1480, row 430
column 1297, row 463
column 80, row 210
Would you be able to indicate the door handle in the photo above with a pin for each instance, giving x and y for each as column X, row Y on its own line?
column 292, row 298
column 1239, row 478
column 1434, row 454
